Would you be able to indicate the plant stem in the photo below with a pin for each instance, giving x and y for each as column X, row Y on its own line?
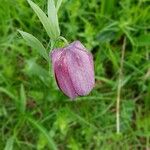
column 52, row 43
column 119, row 87
column 62, row 38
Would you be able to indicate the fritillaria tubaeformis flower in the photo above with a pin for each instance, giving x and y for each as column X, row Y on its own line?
column 74, row 69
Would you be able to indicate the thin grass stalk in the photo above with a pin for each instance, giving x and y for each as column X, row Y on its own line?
column 120, row 87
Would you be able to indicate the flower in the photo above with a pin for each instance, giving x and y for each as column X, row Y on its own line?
column 73, row 69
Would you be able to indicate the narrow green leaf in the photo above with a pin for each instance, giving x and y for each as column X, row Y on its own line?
column 52, row 15
column 42, row 142
column 143, row 40
column 34, row 69
column 113, row 58
column 51, row 143
column 7, row 93
column 9, row 144
column 127, row 33
column 22, row 99
column 34, row 43
column 58, row 4
column 109, row 82
column 48, row 25
column 107, row 6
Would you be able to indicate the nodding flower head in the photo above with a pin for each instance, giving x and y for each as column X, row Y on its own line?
column 73, row 69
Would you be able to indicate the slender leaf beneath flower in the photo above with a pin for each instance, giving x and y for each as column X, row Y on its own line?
column 34, row 43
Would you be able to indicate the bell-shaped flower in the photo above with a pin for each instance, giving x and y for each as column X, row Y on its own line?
column 73, row 69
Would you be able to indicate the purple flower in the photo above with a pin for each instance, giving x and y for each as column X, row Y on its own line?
column 74, row 69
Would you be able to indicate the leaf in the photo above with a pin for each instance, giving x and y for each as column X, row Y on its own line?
column 36, row 70
column 113, row 57
column 58, row 4
column 47, row 23
column 7, row 93
column 9, row 144
column 50, row 141
column 34, row 43
column 52, row 15
column 33, row 69
column 143, row 40
column 107, row 7
column 127, row 109
column 22, row 99
column 108, row 33
column 129, row 37
column 42, row 142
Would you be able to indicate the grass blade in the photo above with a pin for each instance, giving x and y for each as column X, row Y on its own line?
column 22, row 99
column 35, row 43
column 3, row 90
column 107, row 7
column 50, row 141
column 143, row 40
column 9, row 144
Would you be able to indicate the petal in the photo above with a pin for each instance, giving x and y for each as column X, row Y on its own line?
column 62, row 76
column 55, row 55
column 81, row 70
column 77, row 45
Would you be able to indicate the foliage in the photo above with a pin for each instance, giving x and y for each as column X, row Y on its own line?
column 34, row 114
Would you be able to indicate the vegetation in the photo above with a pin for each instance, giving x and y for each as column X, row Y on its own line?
column 34, row 114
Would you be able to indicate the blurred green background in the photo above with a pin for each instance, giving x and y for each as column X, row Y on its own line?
column 35, row 115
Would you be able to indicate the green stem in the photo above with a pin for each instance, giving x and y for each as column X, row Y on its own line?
column 63, row 39
column 52, row 44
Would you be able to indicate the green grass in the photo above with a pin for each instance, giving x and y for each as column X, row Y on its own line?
column 35, row 115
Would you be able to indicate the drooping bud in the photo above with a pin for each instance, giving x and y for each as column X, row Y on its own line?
column 74, row 69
